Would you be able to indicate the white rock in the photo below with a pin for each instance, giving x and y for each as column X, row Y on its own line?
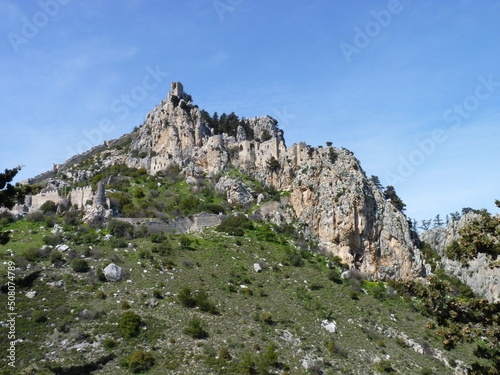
column 257, row 268
column 31, row 294
column 329, row 326
column 112, row 272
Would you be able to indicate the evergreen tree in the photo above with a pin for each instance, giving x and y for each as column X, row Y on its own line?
column 426, row 224
column 376, row 182
column 390, row 194
column 437, row 221
column 455, row 216
column 10, row 194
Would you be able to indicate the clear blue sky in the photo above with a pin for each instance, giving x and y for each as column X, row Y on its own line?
column 411, row 87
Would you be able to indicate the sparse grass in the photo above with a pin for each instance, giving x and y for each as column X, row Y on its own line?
column 289, row 310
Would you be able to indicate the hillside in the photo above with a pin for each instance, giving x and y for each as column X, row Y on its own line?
column 202, row 244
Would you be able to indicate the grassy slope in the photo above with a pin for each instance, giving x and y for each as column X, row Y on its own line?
column 297, row 299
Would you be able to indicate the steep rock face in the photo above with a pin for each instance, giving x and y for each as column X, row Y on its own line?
column 328, row 190
column 331, row 193
column 477, row 274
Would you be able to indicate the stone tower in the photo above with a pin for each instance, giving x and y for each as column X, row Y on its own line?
column 100, row 197
column 177, row 89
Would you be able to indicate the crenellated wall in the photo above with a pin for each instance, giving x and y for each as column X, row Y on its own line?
column 39, row 199
column 80, row 196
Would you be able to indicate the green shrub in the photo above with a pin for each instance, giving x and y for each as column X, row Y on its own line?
column 140, row 361
column 203, row 302
column 55, row 257
column 235, row 225
column 34, row 217
column 48, row 206
column 52, row 239
column 224, row 354
column 120, row 229
column 109, row 343
column 129, row 324
column 334, row 275
column 195, row 328
column 39, row 317
column 100, row 294
column 385, row 367
column 80, row 265
column 186, row 297
column 32, row 254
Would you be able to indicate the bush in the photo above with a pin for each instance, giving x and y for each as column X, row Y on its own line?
column 36, row 216
column 204, row 304
column 235, row 225
column 196, row 329
column 48, row 206
column 52, row 239
column 120, row 229
column 80, row 265
column 55, row 257
column 32, row 254
column 334, row 275
column 186, row 297
column 140, row 361
column 109, row 343
column 385, row 366
column 224, row 354
column 39, row 317
column 129, row 324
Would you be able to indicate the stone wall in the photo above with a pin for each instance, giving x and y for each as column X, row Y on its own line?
column 39, row 199
column 181, row 225
column 80, row 196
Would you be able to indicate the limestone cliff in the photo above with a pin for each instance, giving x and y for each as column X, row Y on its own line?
column 477, row 273
column 325, row 189
column 328, row 190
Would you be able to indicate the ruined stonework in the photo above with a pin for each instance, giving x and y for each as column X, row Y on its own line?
column 328, row 192
column 36, row 201
column 82, row 197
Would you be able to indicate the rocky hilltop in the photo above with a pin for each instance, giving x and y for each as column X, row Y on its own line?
column 323, row 189
column 479, row 273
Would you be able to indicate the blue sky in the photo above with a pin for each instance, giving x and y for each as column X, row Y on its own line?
column 411, row 87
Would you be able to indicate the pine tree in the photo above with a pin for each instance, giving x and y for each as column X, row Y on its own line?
column 390, row 194
column 376, row 182
column 437, row 221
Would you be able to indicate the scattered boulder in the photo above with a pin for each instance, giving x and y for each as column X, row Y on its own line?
column 62, row 248
column 235, row 191
column 329, row 326
column 31, row 294
column 152, row 302
column 260, row 198
column 112, row 272
column 257, row 268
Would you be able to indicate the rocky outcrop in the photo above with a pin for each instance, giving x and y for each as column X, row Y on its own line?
column 477, row 273
column 325, row 189
column 234, row 190
column 113, row 272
